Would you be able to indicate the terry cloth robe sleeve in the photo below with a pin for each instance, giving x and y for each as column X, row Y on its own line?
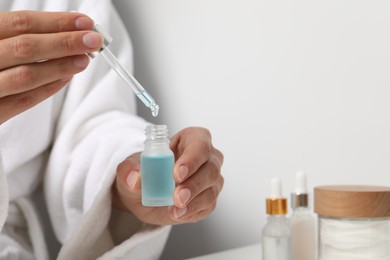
column 97, row 129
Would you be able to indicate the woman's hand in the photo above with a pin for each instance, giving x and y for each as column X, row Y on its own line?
column 197, row 173
column 39, row 54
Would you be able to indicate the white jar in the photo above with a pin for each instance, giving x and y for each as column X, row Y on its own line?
column 353, row 222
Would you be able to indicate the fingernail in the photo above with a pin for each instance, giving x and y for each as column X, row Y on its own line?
column 184, row 195
column 93, row 40
column 179, row 212
column 83, row 23
column 81, row 61
column 132, row 179
column 182, row 172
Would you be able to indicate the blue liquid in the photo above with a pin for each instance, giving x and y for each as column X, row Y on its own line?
column 157, row 180
column 149, row 102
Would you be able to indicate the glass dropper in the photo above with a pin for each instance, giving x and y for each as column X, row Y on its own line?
column 129, row 79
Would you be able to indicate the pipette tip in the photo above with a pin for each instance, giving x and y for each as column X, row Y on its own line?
column 155, row 110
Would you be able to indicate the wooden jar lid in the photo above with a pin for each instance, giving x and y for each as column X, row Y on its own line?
column 352, row 201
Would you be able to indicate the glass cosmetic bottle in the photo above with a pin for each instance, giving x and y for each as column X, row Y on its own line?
column 276, row 236
column 302, row 222
column 157, row 162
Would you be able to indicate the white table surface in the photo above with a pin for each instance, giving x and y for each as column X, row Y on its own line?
column 250, row 252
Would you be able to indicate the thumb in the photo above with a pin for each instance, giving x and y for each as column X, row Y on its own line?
column 133, row 181
column 127, row 185
column 128, row 176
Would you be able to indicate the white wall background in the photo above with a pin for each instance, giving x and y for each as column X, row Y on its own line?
column 282, row 85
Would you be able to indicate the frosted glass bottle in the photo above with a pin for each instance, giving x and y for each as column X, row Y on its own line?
column 157, row 162
column 276, row 235
column 302, row 222
column 276, row 238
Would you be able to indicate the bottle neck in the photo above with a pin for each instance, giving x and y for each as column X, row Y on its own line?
column 302, row 211
column 156, row 144
column 156, row 139
column 156, row 134
column 277, row 218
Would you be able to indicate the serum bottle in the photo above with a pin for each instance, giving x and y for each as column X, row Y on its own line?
column 157, row 162
column 276, row 236
column 302, row 222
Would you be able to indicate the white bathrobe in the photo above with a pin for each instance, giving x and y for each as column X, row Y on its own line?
column 73, row 143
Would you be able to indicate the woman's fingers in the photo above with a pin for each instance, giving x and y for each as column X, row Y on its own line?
column 27, row 77
column 205, row 200
column 192, row 148
column 15, row 104
column 30, row 48
column 199, row 208
column 33, row 50
column 29, row 22
column 206, row 177
column 199, row 193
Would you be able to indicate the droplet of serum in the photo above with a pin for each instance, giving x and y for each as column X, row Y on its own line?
column 155, row 110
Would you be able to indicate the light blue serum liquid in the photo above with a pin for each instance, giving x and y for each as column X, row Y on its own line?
column 147, row 99
column 157, row 180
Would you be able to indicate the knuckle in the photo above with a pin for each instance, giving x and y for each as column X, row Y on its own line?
column 67, row 43
column 195, row 218
column 205, row 147
column 25, row 102
column 221, row 182
column 60, row 23
column 215, row 169
column 193, row 164
column 53, row 88
column 23, row 47
column 199, row 129
column 195, row 206
column 219, row 154
column 213, row 207
column 196, row 184
column 201, row 215
column 208, row 147
column 214, row 194
column 23, row 76
column 21, row 22
column 63, row 67
column 206, row 132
